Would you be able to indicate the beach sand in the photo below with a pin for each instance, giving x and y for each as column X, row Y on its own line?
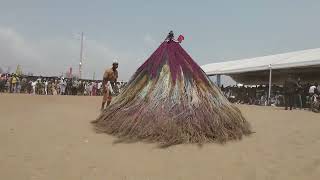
column 51, row 138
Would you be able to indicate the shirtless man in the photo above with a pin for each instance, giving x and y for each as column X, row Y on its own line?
column 110, row 77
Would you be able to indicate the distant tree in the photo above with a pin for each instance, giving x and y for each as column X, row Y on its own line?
column 19, row 70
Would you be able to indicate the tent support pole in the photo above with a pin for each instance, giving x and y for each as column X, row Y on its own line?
column 270, row 83
column 219, row 80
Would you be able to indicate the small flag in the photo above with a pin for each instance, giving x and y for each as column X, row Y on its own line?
column 180, row 38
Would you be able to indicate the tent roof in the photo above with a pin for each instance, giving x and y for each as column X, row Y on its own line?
column 310, row 57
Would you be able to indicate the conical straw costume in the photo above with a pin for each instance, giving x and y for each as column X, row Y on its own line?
column 170, row 100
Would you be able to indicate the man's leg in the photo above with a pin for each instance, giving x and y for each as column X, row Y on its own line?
column 104, row 99
column 291, row 100
column 109, row 98
column 102, row 105
column 14, row 88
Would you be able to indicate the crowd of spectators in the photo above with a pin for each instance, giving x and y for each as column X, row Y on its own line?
column 12, row 83
column 292, row 94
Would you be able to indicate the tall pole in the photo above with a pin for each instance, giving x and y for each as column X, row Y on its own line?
column 219, row 80
column 81, row 57
column 70, row 72
column 270, row 83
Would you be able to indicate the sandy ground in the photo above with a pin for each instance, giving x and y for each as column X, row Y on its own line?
column 50, row 138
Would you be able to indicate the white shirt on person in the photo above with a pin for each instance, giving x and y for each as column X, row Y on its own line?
column 312, row 88
column 33, row 84
column 99, row 85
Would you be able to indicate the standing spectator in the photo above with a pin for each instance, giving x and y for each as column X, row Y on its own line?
column 94, row 88
column 54, row 87
column 49, row 87
column 38, row 86
column 289, row 90
column 312, row 92
column 81, row 88
column 86, row 88
column 89, row 88
column 24, row 85
column 99, row 88
column 29, row 87
column 8, row 84
column 33, row 84
column 74, row 87
column 69, row 87
column 18, row 85
column 2, row 83
column 14, row 81
column 45, row 87
column 263, row 99
column 276, row 99
column 62, row 86
column 312, row 89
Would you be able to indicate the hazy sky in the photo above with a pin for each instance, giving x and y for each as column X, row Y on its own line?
column 42, row 35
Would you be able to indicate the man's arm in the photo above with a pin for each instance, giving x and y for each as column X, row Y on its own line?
column 104, row 81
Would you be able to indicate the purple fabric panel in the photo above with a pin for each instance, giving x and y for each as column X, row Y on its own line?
column 195, row 67
column 173, row 61
column 187, row 71
column 157, row 60
column 146, row 65
column 176, row 57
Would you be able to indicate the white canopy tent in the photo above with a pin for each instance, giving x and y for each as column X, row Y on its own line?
column 261, row 69
column 295, row 59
